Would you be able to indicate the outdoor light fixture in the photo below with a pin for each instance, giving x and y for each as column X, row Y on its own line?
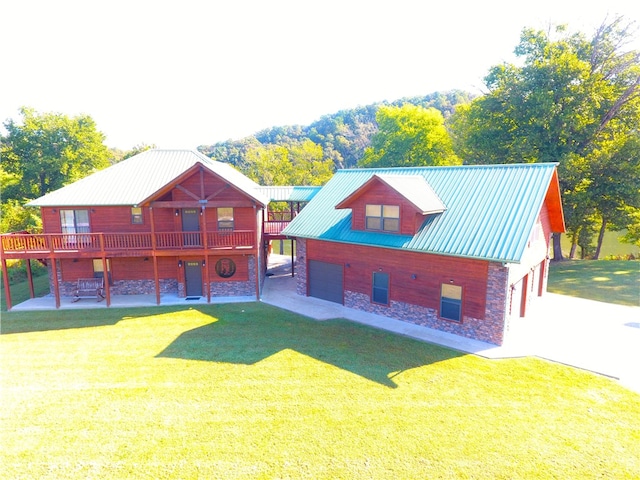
column 204, row 263
column 413, row 276
column 348, row 265
column 180, row 263
column 177, row 212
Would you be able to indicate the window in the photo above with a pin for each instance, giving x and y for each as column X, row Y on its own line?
column 98, row 269
column 136, row 215
column 383, row 217
column 74, row 221
column 451, row 302
column 380, row 288
column 225, row 218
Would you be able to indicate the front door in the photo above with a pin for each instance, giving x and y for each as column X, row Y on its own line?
column 191, row 226
column 193, row 278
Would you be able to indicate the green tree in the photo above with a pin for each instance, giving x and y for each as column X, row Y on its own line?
column 296, row 164
column 568, row 98
column 46, row 151
column 409, row 136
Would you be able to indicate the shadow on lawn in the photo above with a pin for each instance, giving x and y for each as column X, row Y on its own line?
column 362, row 350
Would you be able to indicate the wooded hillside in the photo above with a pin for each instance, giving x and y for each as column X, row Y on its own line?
column 343, row 136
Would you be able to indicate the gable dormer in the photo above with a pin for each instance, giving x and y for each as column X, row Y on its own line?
column 392, row 204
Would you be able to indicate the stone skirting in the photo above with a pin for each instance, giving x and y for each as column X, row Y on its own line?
column 301, row 266
column 427, row 317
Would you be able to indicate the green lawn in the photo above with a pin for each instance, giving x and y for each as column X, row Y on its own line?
column 612, row 281
column 20, row 291
column 250, row 391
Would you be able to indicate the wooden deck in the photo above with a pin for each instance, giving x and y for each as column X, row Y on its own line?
column 18, row 246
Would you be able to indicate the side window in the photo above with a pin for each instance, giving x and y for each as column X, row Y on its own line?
column 380, row 293
column 225, row 218
column 136, row 215
column 451, row 302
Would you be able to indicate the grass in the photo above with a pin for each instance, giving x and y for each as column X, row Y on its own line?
column 612, row 281
column 246, row 391
column 611, row 245
column 20, row 291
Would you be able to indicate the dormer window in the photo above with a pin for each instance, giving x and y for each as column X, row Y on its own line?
column 383, row 217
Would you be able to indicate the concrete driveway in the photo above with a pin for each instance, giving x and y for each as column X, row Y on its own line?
column 600, row 337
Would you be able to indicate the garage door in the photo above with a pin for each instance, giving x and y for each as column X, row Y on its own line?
column 326, row 281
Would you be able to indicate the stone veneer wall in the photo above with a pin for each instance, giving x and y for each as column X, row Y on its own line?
column 245, row 288
column 301, row 266
column 170, row 285
column 490, row 329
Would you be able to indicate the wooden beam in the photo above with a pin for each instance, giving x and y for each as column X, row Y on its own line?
column 30, row 278
column 5, row 279
column 107, row 287
column 201, row 182
column 193, row 204
column 205, row 239
column 218, row 191
column 56, row 285
column 156, row 280
column 188, row 192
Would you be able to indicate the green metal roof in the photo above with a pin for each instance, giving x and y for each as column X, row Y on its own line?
column 289, row 193
column 138, row 178
column 490, row 210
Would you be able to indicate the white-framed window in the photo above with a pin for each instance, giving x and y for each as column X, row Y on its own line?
column 74, row 221
column 380, row 288
column 382, row 217
column 225, row 218
column 451, row 302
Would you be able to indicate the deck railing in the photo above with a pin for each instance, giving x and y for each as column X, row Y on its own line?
column 275, row 227
column 21, row 244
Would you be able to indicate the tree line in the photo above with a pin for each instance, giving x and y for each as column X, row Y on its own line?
column 571, row 98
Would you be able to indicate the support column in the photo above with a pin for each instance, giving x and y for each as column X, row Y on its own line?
column 5, row 279
column 156, row 280
column 107, row 287
column 56, row 285
column 205, row 243
column 32, row 293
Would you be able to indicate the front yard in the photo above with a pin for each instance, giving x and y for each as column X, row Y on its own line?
column 251, row 391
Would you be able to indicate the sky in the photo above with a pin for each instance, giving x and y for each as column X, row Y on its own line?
column 180, row 74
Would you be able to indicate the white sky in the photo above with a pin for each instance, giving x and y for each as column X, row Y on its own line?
column 184, row 73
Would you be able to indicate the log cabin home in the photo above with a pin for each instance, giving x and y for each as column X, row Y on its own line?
column 161, row 222
column 462, row 249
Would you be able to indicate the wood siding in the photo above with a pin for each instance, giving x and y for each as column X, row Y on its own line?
column 381, row 194
column 431, row 272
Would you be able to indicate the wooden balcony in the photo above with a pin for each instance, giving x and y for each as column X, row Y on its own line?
column 273, row 228
column 120, row 244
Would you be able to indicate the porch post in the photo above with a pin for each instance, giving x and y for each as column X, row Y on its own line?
column 205, row 244
column 56, row 285
column 5, row 279
column 30, row 278
column 156, row 280
column 105, row 272
column 258, row 249
column 107, row 288
column 292, row 262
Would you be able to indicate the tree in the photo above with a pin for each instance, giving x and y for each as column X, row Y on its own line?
column 46, row 151
column 409, row 136
column 569, row 97
column 296, row 164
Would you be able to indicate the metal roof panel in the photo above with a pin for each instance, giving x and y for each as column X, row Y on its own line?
column 491, row 210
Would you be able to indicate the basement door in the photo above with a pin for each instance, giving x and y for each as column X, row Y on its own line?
column 326, row 281
column 193, row 278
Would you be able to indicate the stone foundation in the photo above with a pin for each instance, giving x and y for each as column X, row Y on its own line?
column 301, row 266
